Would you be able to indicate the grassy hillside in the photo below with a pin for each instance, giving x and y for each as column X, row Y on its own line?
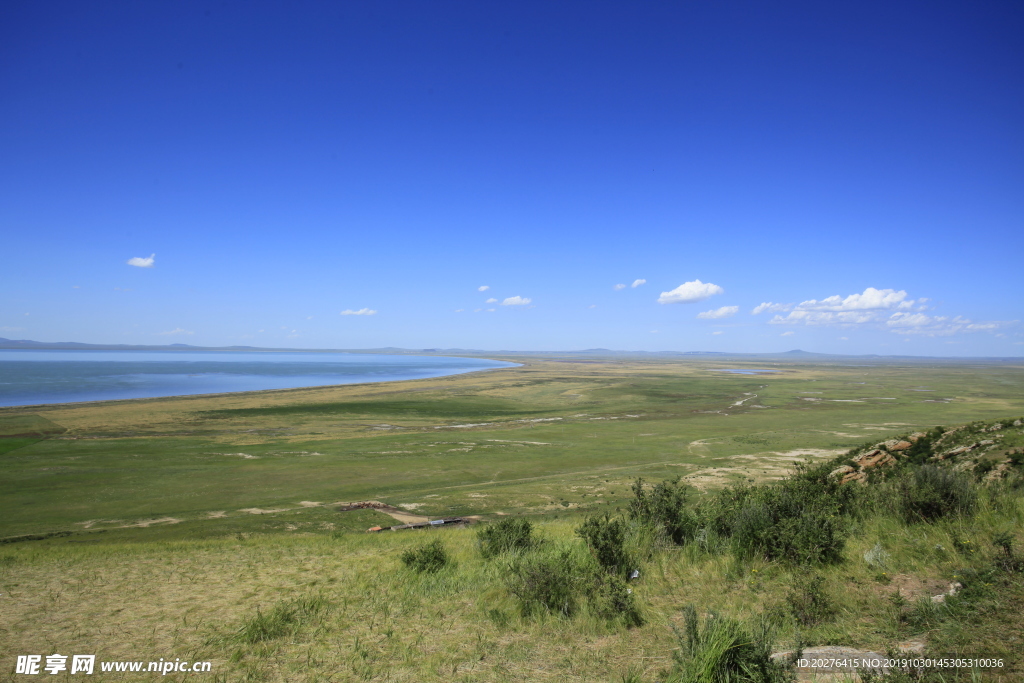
column 256, row 573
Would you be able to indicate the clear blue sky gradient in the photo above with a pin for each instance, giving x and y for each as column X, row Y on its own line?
column 289, row 161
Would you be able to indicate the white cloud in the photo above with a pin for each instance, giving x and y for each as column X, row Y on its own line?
column 855, row 309
column 940, row 325
column 361, row 311
column 492, row 300
column 491, row 310
column 723, row 312
column 637, row 283
column 142, row 262
column 844, row 339
column 11, row 329
column 787, row 334
column 309, row 317
column 483, row 288
column 690, row 292
column 717, row 332
column 176, row 331
column 592, row 306
column 459, row 310
column 75, row 287
column 770, row 307
column 870, row 300
column 619, row 287
column 516, row 301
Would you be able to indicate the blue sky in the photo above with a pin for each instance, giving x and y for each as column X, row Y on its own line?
column 852, row 170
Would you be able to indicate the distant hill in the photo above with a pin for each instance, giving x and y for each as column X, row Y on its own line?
column 795, row 354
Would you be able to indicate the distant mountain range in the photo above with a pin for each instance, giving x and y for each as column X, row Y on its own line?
column 795, row 354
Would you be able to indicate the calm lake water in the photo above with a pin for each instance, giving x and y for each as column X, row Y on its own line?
column 34, row 377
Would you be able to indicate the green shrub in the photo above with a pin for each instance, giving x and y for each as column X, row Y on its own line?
column 607, row 540
column 554, row 582
column 923, row 448
column 429, row 557
column 508, row 535
column 665, row 507
column 809, row 603
column 720, row 650
column 614, row 600
column 929, row 493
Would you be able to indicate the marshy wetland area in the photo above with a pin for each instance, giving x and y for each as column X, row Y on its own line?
column 209, row 527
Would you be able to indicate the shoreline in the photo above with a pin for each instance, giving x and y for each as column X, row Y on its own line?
column 249, row 392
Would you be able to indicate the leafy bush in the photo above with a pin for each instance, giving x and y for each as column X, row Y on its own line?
column 614, row 600
column 607, row 540
column 509, row 535
column 665, row 507
column 923, row 448
column 809, row 603
column 930, row 493
column 552, row 582
column 721, row 650
column 429, row 557
column 800, row 520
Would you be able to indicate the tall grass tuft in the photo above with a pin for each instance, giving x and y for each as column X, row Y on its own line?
column 285, row 618
column 720, row 650
column 929, row 493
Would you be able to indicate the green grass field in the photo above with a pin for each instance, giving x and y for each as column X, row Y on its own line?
column 157, row 528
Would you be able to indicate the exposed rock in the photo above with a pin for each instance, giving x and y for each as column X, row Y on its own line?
column 956, row 451
column 916, row 436
column 854, row 476
column 875, row 458
column 900, row 446
column 953, row 589
column 1017, row 423
column 845, row 469
column 986, row 442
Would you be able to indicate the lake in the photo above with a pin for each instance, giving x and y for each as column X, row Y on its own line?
column 30, row 377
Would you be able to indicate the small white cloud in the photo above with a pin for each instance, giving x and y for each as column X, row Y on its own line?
column 361, row 311
column 11, row 329
column 592, row 306
column 483, row 288
column 176, row 331
column 787, row 334
column 309, row 317
column 516, row 301
column 723, row 312
column 654, row 332
column 770, row 307
column 139, row 262
column 477, row 310
column 458, row 310
column 75, row 287
column 844, row 339
column 491, row 310
column 690, row 292
column 492, row 300
column 717, row 332
column 637, row 283
column 619, row 287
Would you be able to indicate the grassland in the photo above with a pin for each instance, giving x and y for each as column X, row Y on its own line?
column 185, row 517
